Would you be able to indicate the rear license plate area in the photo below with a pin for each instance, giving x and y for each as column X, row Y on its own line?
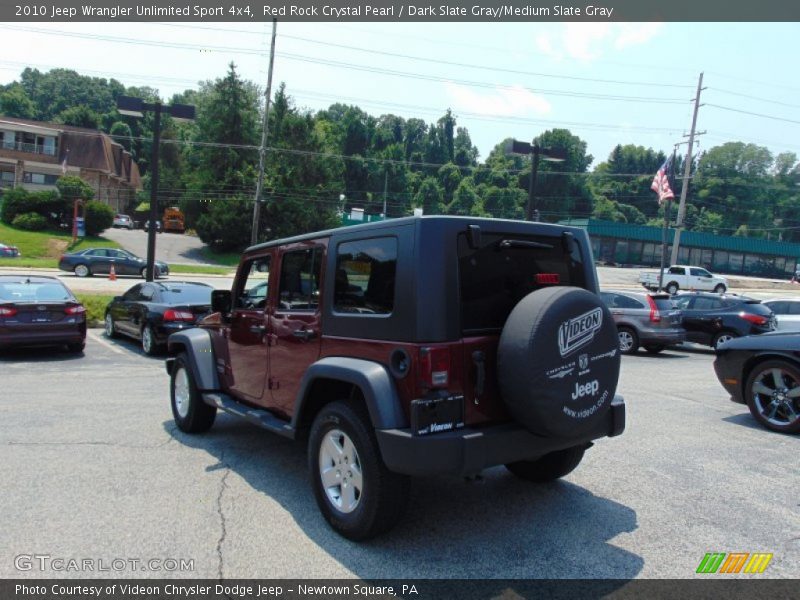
column 437, row 415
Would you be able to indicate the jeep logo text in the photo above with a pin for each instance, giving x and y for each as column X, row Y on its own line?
column 589, row 388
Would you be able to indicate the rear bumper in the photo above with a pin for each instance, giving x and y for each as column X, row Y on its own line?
column 468, row 451
column 43, row 337
column 164, row 330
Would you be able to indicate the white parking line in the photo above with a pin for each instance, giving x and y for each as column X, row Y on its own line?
column 97, row 337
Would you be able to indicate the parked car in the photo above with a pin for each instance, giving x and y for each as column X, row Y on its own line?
column 150, row 312
column 644, row 319
column 158, row 226
column 123, row 221
column 9, row 251
column 684, row 277
column 174, row 220
column 713, row 319
column 95, row 261
column 787, row 313
column 40, row 311
column 414, row 346
column 764, row 373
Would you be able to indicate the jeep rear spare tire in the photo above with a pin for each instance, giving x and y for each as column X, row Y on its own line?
column 558, row 362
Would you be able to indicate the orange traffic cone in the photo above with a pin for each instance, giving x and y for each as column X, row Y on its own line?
column 112, row 275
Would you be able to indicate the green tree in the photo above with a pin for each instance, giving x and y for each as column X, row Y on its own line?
column 79, row 116
column 429, row 197
column 14, row 102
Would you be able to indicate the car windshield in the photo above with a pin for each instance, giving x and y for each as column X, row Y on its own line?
column 190, row 294
column 34, row 292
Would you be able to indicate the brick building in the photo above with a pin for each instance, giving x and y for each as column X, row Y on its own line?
column 34, row 155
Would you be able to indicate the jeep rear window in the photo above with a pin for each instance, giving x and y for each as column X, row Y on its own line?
column 496, row 276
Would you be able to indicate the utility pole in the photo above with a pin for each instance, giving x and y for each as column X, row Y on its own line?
column 385, row 188
column 687, row 170
column 264, row 134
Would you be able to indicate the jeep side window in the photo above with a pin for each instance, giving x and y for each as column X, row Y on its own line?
column 365, row 276
column 300, row 274
column 256, row 286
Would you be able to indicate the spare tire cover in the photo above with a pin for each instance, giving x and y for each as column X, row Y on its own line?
column 558, row 361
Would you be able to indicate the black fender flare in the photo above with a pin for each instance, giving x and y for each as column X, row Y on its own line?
column 372, row 378
column 196, row 343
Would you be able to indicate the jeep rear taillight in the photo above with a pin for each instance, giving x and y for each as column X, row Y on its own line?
column 655, row 316
column 434, row 366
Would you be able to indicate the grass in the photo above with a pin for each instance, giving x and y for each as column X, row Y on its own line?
column 229, row 259
column 95, row 307
column 45, row 244
column 199, row 269
column 29, row 263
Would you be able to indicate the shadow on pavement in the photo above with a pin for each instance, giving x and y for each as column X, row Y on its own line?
column 39, row 354
column 501, row 527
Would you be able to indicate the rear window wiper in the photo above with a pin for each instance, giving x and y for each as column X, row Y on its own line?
column 505, row 244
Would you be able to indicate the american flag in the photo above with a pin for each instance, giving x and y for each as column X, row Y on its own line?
column 64, row 163
column 660, row 183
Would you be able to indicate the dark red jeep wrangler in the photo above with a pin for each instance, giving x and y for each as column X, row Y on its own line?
column 415, row 346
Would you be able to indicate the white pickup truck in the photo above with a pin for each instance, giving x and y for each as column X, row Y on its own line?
column 683, row 277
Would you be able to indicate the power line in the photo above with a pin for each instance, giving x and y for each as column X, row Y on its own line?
column 755, row 114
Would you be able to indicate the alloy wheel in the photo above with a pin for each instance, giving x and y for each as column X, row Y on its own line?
column 340, row 471
column 776, row 395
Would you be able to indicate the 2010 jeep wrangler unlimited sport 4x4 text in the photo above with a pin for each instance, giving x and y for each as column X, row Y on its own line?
column 416, row 346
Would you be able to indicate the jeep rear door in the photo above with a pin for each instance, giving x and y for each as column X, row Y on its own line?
column 294, row 321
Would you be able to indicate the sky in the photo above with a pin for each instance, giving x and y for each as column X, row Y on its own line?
column 608, row 83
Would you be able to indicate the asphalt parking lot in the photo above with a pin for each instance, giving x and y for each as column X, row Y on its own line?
column 95, row 469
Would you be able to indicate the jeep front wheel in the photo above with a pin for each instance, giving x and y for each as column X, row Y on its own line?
column 550, row 466
column 191, row 414
column 358, row 496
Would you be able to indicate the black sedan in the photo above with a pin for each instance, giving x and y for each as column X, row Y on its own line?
column 150, row 312
column 86, row 263
column 40, row 311
column 713, row 319
column 764, row 373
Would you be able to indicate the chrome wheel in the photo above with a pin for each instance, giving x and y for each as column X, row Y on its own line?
column 182, row 392
column 776, row 397
column 109, row 325
column 340, row 471
column 81, row 270
column 625, row 341
column 148, row 343
column 722, row 338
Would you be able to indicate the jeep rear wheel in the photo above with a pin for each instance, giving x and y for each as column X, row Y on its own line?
column 358, row 496
column 558, row 362
column 550, row 466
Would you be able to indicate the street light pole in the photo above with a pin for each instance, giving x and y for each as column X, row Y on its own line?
column 135, row 107
column 535, row 151
column 151, row 230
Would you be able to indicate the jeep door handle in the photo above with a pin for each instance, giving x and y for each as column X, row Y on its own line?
column 304, row 334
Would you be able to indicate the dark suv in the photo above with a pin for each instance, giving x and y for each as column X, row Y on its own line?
column 415, row 346
column 713, row 319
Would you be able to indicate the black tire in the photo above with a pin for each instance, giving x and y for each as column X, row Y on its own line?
column 672, row 288
column 720, row 289
column 654, row 348
column 82, row 270
column 628, row 340
column 76, row 348
column 786, row 417
column 149, row 344
column 383, row 497
column 550, row 466
column 195, row 416
column 723, row 336
column 558, row 362
column 110, row 326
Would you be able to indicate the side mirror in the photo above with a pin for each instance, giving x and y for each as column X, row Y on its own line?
column 221, row 301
